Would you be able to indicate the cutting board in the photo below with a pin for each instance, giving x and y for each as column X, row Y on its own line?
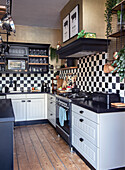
column 118, row 104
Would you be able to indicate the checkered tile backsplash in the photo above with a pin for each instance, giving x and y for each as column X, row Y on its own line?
column 26, row 81
column 90, row 76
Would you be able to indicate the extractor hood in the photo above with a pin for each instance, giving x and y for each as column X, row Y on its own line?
column 83, row 47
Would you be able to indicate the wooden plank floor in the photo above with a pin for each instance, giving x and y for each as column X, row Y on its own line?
column 37, row 147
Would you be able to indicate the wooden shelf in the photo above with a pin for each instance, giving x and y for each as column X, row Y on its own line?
column 67, row 68
column 40, row 56
column 118, row 34
column 2, row 62
column 118, row 7
column 39, row 64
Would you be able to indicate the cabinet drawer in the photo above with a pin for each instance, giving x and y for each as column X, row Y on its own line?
column 86, row 127
column 85, row 148
column 52, row 118
column 35, row 96
column 16, row 96
column 86, row 113
column 52, row 98
column 52, row 106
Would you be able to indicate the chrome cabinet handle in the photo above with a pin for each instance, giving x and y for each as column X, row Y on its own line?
column 28, row 100
column 81, row 111
column 23, row 101
column 81, row 139
column 81, row 120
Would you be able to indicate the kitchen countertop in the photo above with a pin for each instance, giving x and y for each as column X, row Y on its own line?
column 6, row 110
column 97, row 107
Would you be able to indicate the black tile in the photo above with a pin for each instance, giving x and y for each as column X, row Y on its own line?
column 88, row 59
column 106, row 85
column 117, row 79
column 94, row 63
column 100, row 84
column 97, row 68
column 113, row 86
column 110, row 79
column 97, row 57
column 100, row 73
column 103, row 79
column 103, row 56
column 121, row 86
column 100, row 62
column 97, row 79
column 95, row 73
column 87, row 78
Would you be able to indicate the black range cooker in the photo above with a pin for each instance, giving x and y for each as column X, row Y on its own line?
column 63, row 108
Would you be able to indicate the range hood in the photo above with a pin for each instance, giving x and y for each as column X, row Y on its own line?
column 83, row 47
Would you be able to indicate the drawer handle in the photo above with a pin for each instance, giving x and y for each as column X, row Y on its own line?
column 51, row 98
column 81, row 111
column 51, row 102
column 23, row 101
column 81, row 139
column 81, row 120
column 28, row 100
column 51, row 114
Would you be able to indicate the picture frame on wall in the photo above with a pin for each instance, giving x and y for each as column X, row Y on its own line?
column 66, row 28
column 74, row 21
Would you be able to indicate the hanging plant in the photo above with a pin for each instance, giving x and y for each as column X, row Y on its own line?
column 108, row 15
column 120, row 64
column 53, row 54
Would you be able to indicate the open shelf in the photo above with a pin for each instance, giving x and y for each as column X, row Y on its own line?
column 118, row 7
column 67, row 68
column 2, row 62
column 39, row 64
column 41, row 56
column 118, row 34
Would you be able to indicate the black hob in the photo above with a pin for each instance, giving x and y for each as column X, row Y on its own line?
column 81, row 94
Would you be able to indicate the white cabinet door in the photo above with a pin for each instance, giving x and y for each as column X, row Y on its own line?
column 19, row 108
column 35, row 109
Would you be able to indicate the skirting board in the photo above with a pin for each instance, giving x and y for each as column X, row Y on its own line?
column 32, row 122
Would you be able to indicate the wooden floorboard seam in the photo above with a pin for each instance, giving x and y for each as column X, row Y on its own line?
column 59, row 148
column 34, row 148
column 53, row 151
column 43, row 147
column 16, row 152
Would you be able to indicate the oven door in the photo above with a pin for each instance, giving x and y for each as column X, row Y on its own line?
column 63, row 126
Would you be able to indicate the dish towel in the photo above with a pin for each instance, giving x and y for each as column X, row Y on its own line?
column 62, row 116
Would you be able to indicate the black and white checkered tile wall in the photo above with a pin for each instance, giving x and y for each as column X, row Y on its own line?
column 26, row 81
column 90, row 76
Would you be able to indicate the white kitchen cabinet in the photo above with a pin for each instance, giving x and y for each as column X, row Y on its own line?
column 99, row 137
column 35, row 109
column 52, row 109
column 28, row 106
column 19, row 108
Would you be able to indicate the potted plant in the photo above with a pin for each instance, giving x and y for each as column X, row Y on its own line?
column 53, row 54
column 108, row 15
column 120, row 64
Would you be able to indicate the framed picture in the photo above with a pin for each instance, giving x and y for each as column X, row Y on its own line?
column 74, row 21
column 66, row 28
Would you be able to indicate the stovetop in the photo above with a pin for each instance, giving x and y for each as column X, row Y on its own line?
column 80, row 94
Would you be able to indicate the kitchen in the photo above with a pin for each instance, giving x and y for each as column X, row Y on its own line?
column 41, row 146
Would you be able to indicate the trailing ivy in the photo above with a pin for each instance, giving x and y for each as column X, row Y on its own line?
column 53, row 54
column 120, row 62
column 108, row 15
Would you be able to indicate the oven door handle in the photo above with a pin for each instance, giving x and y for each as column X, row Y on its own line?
column 58, row 105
